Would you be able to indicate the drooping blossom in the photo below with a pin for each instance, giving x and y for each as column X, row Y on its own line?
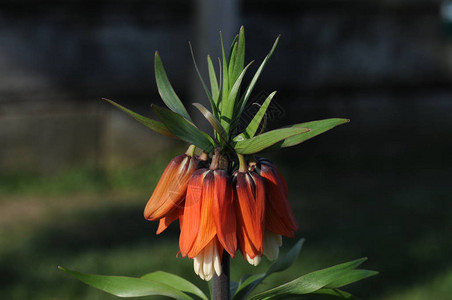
column 249, row 202
column 208, row 222
column 166, row 200
column 279, row 218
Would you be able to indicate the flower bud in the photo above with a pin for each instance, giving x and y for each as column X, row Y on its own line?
column 171, row 188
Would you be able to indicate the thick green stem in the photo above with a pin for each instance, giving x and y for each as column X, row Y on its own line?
column 221, row 284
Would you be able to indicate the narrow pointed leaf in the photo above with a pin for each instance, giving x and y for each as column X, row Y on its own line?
column 333, row 294
column 351, row 277
column 287, row 260
column 176, row 282
column 252, row 127
column 310, row 282
column 232, row 54
column 283, row 263
column 265, row 140
column 317, row 127
column 166, row 91
column 213, row 81
column 239, row 59
column 183, row 129
column 256, row 77
column 157, row 126
column 229, row 104
column 224, row 81
column 127, row 286
column 206, row 90
column 212, row 120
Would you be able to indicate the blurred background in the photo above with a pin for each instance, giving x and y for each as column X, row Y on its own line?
column 75, row 173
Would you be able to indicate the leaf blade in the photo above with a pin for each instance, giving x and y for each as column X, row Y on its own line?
column 176, row 282
column 184, row 129
column 265, row 140
column 317, row 128
column 127, row 286
column 310, row 282
column 256, row 76
column 165, row 89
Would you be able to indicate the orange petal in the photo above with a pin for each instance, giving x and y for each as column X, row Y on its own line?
column 190, row 220
column 172, row 216
column 250, row 213
column 206, row 228
column 279, row 217
column 171, row 188
column 223, row 211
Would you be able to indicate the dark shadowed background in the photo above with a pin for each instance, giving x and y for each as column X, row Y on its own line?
column 75, row 173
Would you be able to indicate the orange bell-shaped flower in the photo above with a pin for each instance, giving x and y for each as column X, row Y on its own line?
column 279, row 218
column 170, row 191
column 208, row 223
column 249, row 202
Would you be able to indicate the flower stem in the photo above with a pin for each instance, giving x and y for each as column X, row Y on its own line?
column 220, row 284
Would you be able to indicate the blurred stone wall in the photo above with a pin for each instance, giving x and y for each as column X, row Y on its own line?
column 385, row 64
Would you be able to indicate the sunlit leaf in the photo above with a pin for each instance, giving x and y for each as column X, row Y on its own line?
column 310, row 282
column 206, row 90
column 283, row 263
column 184, row 129
column 128, row 286
column 213, row 81
column 176, row 282
column 157, row 126
column 326, row 294
column 317, row 127
column 250, row 87
column 252, row 127
column 350, row 277
column 212, row 120
column 237, row 61
column 227, row 106
column 265, row 140
column 166, row 91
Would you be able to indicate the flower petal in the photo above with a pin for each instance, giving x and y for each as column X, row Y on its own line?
column 190, row 221
column 223, row 211
column 206, row 230
column 171, row 188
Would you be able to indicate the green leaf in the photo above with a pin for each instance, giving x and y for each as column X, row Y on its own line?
column 212, row 120
column 310, row 282
column 206, row 90
column 284, row 262
column 287, row 260
column 166, row 91
column 252, row 127
column 157, row 126
column 184, row 129
column 351, row 277
column 238, row 60
column 265, row 140
column 224, row 81
column 256, row 77
column 213, row 82
column 127, row 286
column 176, row 282
column 317, row 127
column 333, row 294
column 227, row 108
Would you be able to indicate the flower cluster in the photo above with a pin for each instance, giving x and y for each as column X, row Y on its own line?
column 221, row 210
column 226, row 198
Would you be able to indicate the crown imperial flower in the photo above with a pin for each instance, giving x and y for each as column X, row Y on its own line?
column 232, row 204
